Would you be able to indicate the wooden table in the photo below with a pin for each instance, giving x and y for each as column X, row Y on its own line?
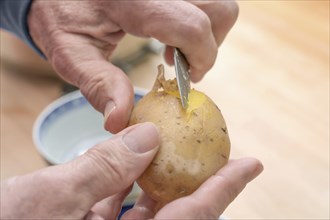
column 271, row 81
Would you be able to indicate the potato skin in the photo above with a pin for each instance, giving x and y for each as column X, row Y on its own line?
column 193, row 146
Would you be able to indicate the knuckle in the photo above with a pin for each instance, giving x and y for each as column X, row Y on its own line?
column 91, row 85
column 94, row 86
column 231, row 188
column 229, row 11
column 199, row 27
column 107, row 162
column 233, row 10
column 205, row 210
column 223, row 15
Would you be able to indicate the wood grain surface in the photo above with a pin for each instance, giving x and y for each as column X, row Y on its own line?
column 271, row 81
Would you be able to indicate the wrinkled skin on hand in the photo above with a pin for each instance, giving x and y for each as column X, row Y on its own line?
column 94, row 185
column 78, row 37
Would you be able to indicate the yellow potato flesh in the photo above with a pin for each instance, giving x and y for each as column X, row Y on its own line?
column 195, row 100
column 194, row 141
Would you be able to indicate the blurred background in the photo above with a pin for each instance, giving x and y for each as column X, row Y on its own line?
column 271, row 81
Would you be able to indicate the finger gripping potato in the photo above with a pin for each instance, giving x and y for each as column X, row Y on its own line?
column 194, row 142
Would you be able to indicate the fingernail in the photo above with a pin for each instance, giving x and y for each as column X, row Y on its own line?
column 142, row 138
column 109, row 107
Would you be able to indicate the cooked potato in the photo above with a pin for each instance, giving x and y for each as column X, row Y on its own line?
column 194, row 141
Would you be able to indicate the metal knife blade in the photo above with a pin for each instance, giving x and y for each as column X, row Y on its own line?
column 182, row 76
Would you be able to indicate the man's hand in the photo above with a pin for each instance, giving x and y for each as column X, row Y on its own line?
column 73, row 190
column 209, row 201
column 78, row 37
column 94, row 185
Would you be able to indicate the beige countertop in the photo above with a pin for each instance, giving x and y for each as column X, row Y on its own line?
column 271, row 81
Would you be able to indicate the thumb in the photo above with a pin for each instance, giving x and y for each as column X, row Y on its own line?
column 106, row 87
column 113, row 165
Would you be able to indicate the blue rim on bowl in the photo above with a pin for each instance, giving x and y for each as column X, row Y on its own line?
column 54, row 125
column 68, row 127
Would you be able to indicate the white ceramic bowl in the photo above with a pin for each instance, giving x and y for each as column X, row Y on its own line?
column 69, row 126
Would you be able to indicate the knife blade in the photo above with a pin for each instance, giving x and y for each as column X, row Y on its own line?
column 182, row 76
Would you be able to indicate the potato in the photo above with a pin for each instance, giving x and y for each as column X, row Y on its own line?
column 194, row 142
